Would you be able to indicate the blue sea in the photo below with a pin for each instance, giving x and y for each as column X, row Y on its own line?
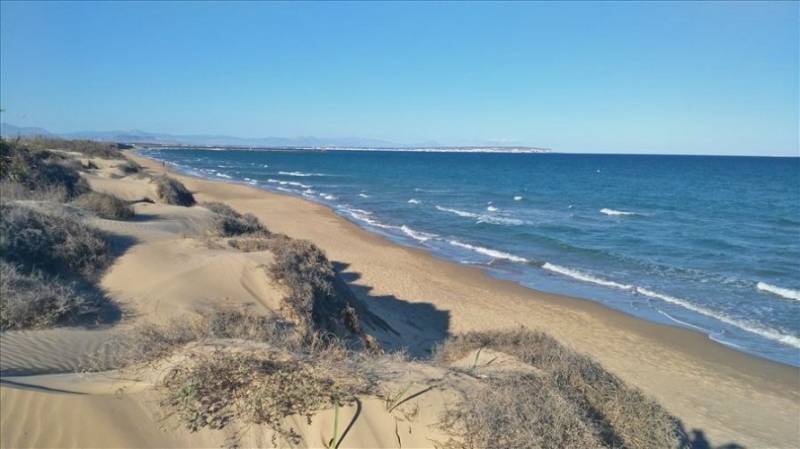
column 707, row 243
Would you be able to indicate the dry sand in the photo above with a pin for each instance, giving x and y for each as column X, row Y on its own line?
column 167, row 271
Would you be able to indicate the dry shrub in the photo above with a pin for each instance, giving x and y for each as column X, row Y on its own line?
column 90, row 148
column 40, row 170
column 315, row 300
column 172, row 191
column 151, row 342
column 105, row 206
column 620, row 415
column 129, row 167
column 229, row 223
column 33, row 300
column 257, row 388
column 250, row 244
column 518, row 412
column 54, row 242
column 16, row 191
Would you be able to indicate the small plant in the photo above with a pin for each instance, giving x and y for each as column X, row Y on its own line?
column 333, row 443
column 393, row 401
column 129, row 167
column 105, row 206
column 229, row 223
column 172, row 191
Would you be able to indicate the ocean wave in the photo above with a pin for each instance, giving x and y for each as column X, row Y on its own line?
column 223, row 175
column 299, row 173
column 750, row 327
column 614, row 212
column 483, row 218
column 780, row 291
column 489, row 252
column 289, row 183
column 363, row 217
column 581, row 276
column 328, row 196
column 413, row 201
column 518, row 198
column 491, row 208
column 417, row 235
column 460, row 213
column 363, row 195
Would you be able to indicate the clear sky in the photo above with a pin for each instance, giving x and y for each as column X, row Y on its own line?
column 707, row 77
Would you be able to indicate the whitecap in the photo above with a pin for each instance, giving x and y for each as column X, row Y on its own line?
column 327, row 196
column 417, row 235
column 491, row 209
column 363, row 195
column 518, row 198
column 298, row 173
column 289, row 183
column 608, row 211
column 223, row 175
column 460, row 213
column 779, row 291
column 489, row 252
column 413, row 201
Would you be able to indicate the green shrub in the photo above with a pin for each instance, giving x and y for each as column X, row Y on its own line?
column 229, row 223
column 105, row 206
column 172, row 191
column 33, row 300
column 56, row 242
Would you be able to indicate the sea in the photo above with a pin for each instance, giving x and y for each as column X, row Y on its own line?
column 706, row 243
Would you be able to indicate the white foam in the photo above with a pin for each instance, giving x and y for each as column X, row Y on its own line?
column 363, row 195
column 327, row 196
column 299, row 173
column 517, row 198
column 413, row 201
column 417, row 235
column 608, row 211
column 491, row 209
column 481, row 218
column 289, row 183
column 460, row 213
column 780, row 291
column 753, row 328
column 223, row 175
column 489, row 252
column 363, row 216
column 581, row 276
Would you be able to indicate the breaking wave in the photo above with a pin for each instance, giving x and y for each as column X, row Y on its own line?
column 780, row 291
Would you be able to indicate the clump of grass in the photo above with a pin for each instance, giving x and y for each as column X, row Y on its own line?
column 229, row 223
column 256, row 387
column 129, row 167
column 172, row 191
column 38, row 171
column 105, row 206
column 620, row 416
column 54, row 242
column 33, row 300
column 16, row 191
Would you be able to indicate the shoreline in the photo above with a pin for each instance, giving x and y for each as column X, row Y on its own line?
column 730, row 395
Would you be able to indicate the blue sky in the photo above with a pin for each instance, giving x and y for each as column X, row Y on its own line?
column 707, row 77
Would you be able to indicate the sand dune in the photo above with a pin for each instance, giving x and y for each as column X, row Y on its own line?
column 169, row 269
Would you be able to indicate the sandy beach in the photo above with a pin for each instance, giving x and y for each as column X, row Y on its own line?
column 727, row 396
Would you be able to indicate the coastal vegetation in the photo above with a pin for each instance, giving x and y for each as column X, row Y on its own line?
column 105, row 206
column 222, row 366
column 172, row 191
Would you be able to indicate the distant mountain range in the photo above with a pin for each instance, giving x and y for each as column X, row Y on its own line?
column 145, row 137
